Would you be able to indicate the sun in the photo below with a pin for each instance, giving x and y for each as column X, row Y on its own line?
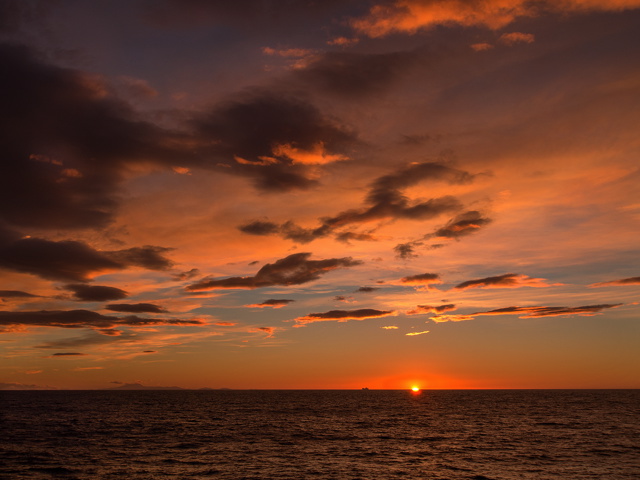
column 415, row 389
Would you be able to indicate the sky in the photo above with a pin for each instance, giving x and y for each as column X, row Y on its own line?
column 331, row 194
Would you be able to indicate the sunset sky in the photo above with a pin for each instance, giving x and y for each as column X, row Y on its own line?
column 320, row 194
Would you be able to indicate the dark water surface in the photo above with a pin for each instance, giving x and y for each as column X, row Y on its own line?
column 473, row 435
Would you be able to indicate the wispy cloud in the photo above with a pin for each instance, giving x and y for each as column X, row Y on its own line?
column 343, row 315
column 620, row 282
column 508, row 280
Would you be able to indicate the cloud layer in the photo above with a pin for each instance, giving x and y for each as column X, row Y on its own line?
column 295, row 269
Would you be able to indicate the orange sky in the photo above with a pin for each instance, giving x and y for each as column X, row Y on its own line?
column 328, row 195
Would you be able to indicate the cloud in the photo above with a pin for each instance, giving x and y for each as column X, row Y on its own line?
column 95, row 293
column 15, row 294
column 389, row 327
column 69, row 143
column 620, row 282
column 271, row 303
column 411, row 334
column 273, row 138
column 531, row 312
column 516, row 37
column 343, row 298
column 66, row 143
column 355, row 75
column 343, row 315
column 406, row 251
column 73, row 354
column 424, row 309
column 268, row 330
column 85, row 319
column 422, row 280
column 188, row 275
column 508, row 280
column 451, row 318
column 73, row 260
column 135, row 308
column 225, row 324
column 537, row 312
column 411, row 16
column 366, row 289
column 385, row 201
column 481, row 47
column 462, row 225
column 295, row 269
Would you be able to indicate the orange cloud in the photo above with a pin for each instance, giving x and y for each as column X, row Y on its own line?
column 451, row 318
column 268, row 330
column 481, row 47
column 422, row 309
column 423, row 281
column 287, row 52
column 416, row 333
column 516, row 37
column 411, row 16
column 316, row 155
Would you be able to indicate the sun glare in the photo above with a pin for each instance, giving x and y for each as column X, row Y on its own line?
column 415, row 389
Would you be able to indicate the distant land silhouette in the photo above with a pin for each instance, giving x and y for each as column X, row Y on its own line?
column 139, row 386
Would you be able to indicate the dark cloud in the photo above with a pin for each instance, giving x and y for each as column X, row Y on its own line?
column 188, row 275
column 385, row 200
column 423, row 279
column 344, row 315
column 73, row 260
column 71, row 354
column 460, row 226
column 620, row 282
column 406, row 251
column 292, row 270
column 257, row 133
column 463, row 225
column 65, row 141
column 15, row 294
column 366, row 289
column 355, row 75
column 149, row 257
column 508, row 280
column 83, row 319
column 272, row 303
column 258, row 227
column 95, row 293
column 361, row 237
column 135, row 308
column 423, row 309
column 342, row 298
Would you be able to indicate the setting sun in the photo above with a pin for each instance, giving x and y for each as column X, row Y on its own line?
column 415, row 389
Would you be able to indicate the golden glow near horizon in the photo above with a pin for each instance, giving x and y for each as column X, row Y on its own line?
column 415, row 389
column 401, row 193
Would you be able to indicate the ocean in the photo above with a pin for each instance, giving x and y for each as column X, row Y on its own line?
column 340, row 434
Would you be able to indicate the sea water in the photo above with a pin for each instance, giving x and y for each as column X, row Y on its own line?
column 473, row 435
